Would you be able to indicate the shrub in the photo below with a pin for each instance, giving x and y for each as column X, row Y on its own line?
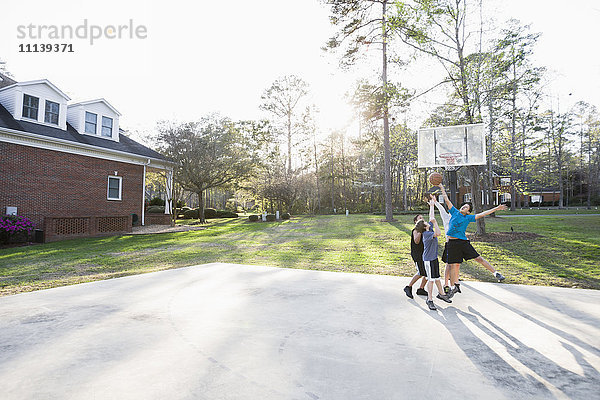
column 156, row 209
column 157, row 201
column 191, row 214
column 226, row 214
column 210, row 213
column 253, row 218
column 271, row 217
column 285, row 216
column 14, row 226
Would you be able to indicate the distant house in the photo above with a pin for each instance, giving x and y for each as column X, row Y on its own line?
column 501, row 193
column 69, row 167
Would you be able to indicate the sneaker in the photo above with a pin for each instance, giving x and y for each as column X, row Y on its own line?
column 499, row 276
column 453, row 291
column 444, row 297
column 447, row 289
column 430, row 305
column 421, row 292
column 457, row 286
column 408, row 291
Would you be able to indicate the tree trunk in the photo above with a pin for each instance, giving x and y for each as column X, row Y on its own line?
column 387, row 184
column 201, row 207
column 589, row 174
column 332, row 180
column 513, row 189
column 404, row 191
column 317, row 176
column 490, row 154
column 289, row 142
column 344, row 177
column 476, row 199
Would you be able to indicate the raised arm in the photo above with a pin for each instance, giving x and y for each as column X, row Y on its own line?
column 431, row 210
column 501, row 207
column 436, row 228
column 448, row 202
column 443, row 213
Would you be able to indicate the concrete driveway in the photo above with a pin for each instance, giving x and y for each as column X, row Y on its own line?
column 224, row 331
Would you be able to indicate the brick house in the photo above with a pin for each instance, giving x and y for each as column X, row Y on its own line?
column 502, row 192
column 69, row 167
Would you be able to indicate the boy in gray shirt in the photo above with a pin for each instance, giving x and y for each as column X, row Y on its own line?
column 430, row 232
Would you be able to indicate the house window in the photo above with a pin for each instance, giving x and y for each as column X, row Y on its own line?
column 52, row 110
column 504, row 181
column 467, row 197
column 90, row 122
column 536, row 198
column 114, row 188
column 107, row 126
column 30, row 106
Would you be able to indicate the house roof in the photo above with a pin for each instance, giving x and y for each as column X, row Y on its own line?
column 6, row 80
column 125, row 144
column 101, row 100
column 37, row 82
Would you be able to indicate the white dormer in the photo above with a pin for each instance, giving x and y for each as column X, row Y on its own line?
column 96, row 118
column 36, row 101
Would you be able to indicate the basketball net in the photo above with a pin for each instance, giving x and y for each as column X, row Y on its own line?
column 450, row 159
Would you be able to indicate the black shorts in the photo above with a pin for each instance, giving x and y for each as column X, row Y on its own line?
column 433, row 270
column 445, row 253
column 420, row 266
column 460, row 250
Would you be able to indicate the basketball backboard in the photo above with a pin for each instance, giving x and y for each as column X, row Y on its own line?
column 451, row 146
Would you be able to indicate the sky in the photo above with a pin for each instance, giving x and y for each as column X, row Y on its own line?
column 190, row 58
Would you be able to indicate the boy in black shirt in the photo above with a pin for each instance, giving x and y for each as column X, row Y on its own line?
column 416, row 252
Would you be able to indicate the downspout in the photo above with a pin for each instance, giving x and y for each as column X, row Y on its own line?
column 169, row 206
column 144, row 193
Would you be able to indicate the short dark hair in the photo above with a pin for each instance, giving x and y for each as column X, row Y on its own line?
column 415, row 218
column 470, row 205
column 421, row 227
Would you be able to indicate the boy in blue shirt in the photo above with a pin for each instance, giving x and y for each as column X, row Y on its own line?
column 429, row 234
column 458, row 246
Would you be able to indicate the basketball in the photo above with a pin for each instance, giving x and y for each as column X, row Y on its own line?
column 435, row 178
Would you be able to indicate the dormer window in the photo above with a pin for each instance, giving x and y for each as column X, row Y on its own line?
column 30, row 106
column 107, row 124
column 90, row 122
column 52, row 111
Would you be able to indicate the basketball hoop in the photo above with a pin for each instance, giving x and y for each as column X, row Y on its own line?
column 450, row 160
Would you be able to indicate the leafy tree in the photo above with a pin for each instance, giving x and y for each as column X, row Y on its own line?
column 212, row 152
column 556, row 128
column 589, row 126
column 437, row 28
column 512, row 54
column 282, row 99
column 362, row 23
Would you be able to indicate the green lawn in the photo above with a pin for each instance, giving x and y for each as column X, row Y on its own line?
column 566, row 254
column 552, row 211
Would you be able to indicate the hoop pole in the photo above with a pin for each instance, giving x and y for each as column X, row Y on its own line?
column 453, row 187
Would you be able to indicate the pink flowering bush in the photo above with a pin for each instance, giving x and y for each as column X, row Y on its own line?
column 11, row 225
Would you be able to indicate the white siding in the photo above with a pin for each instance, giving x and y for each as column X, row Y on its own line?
column 43, row 92
column 77, row 118
column 7, row 99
